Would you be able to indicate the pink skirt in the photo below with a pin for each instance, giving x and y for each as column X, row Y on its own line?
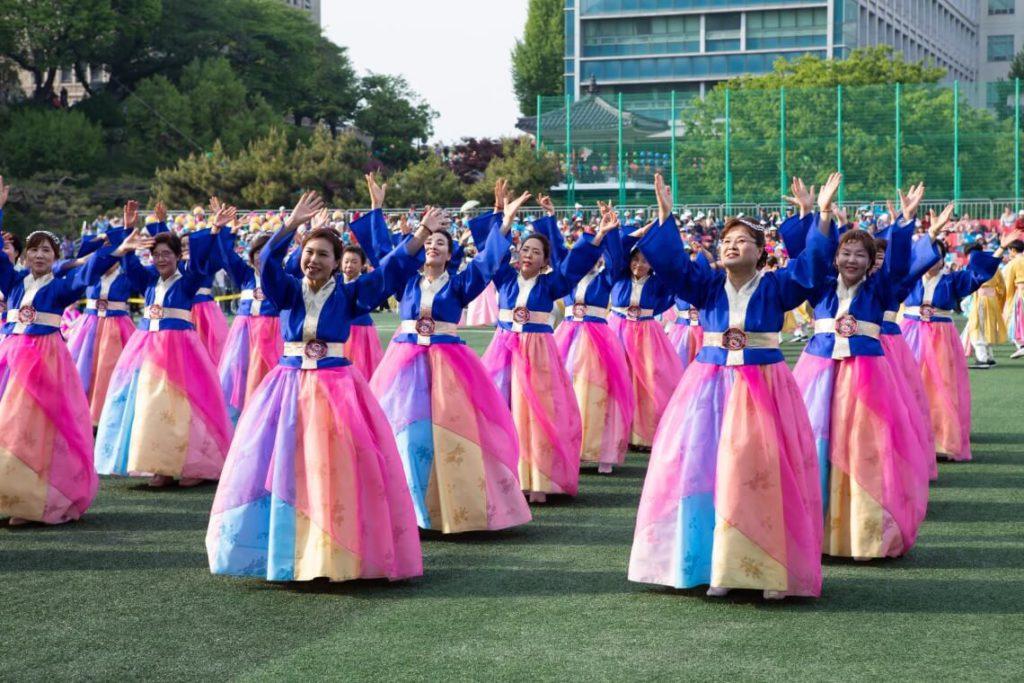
column 940, row 358
column 313, row 486
column 687, row 340
column 45, row 438
column 873, row 461
column 253, row 349
column 70, row 319
column 455, row 437
column 483, row 310
column 211, row 326
column 363, row 349
column 1015, row 319
column 96, row 344
column 532, row 380
column 596, row 363
column 655, row 371
column 732, row 497
column 911, row 389
column 164, row 412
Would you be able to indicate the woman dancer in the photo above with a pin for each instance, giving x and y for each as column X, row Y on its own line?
column 164, row 415
column 45, row 440
column 985, row 326
column 523, row 361
column 932, row 336
column 732, row 497
column 871, row 456
column 313, row 484
column 592, row 353
column 455, row 433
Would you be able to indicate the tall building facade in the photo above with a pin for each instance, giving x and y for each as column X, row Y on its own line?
column 688, row 46
column 312, row 7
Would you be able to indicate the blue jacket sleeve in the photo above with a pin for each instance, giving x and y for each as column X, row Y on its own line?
column 480, row 227
column 794, row 233
column 808, row 271
column 368, row 291
column 234, row 264
column 283, row 289
column 157, row 228
column 981, row 266
column 371, row 231
column 481, row 270
column 567, row 274
column 87, row 275
column 663, row 249
column 9, row 276
column 548, row 226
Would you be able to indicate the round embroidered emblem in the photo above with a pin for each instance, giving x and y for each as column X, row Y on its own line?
column 734, row 339
column 579, row 311
column 846, row 326
column 425, row 327
column 316, row 349
column 155, row 312
column 521, row 315
column 26, row 315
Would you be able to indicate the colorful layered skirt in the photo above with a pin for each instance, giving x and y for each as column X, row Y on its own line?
column 313, row 486
column 46, row 465
column 908, row 383
column 96, row 344
column 596, row 363
column 654, row 370
column 1015, row 318
column 732, row 497
column 164, row 412
column 253, row 348
column 69, row 320
column 687, row 340
column 870, row 454
column 363, row 349
column 940, row 360
column 211, row 326
column 455, row 437
column 483, row 310
column 533, row 382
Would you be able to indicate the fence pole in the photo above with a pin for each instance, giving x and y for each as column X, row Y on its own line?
column 839, row 141
column 570, row 183
column 956, row 145
column 782, row 150
column 728, row 171
column 1016, row 144
column 899, row 143
column 622, row 179
column 672, row 151
column 540, row 140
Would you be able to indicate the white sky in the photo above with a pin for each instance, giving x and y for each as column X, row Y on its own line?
column 455, row 53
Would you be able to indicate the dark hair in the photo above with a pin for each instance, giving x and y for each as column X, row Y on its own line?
column 973, row 247
column 37, row 238
column 256, row 246
column 943, row 249
column 545, row 243
column 772, row 262
column 358, row 251
column 862, row 237
column 170, row 239
column 325, row 234
column 16, row 244
column 881, row 244
column 451, row 243
column 758, row 235
column 1016, row 245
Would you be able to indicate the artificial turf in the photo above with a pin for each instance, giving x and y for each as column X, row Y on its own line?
column 126, row 593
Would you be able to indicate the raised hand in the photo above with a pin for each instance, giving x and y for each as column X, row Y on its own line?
column 215, row 205
column 223, row 216
column 546, row 204
column 664, row 196
column 137, row 239
column 827, row 193
column 911, row 200
column 435, row 219
column 937, row 224
column 321, row 219
column 840, row 214
column 891, row 209
column 500, row 193
column 160, row 211
column 5, row 191
column 308, row 206
column 802, row 198
column 131, row 213
column 609, row 220
column 512, row 206
column 377, row 191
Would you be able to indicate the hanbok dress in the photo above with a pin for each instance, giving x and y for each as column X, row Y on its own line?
column 164, row 413
column 732, row 497
column 523, row 361
column 1013, row 309
column 455, row 433
column 685, row 334
column 254, row 343
column 313, row 485
column 985, row 325
column 933, row 339
column 46, row 444
column 596, row 361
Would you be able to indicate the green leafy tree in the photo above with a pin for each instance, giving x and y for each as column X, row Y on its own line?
column 37, row 140
column 538, row 64
column 428, row 181
column 524, row 169
column 1017, row 66
column 395, row 116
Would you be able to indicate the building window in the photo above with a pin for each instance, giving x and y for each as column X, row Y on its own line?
column 787, row 28
column 722, row 32
column 1000, row 48
column 1001, row 7
column 67, row 74
column 640, row 36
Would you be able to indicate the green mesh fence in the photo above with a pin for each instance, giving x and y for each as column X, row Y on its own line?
column 738, row 148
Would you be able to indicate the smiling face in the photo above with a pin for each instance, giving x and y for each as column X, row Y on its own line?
column 319, row 260
column 853, row 260
column 639, row 266
column 438, row 249
column 739, row 248
column 165, row 260
column 12, row 254
column 39, row 257
column 532, row 257
column 351, row 265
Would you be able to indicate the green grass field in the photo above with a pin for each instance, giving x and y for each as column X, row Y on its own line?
column 125, row 593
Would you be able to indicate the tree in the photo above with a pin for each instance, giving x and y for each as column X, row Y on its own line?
column 428, row 181
column 469, row 159
column 524, row 169
column 1017, row 66
column 538, row 60
column 37, row 140
column 395, row 116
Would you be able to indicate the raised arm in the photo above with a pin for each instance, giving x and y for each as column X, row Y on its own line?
column 981, row 266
